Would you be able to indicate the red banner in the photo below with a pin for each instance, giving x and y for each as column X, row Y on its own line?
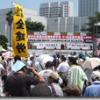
column 59, row 37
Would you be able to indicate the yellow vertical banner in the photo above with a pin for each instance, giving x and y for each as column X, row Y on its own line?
column 19, row 34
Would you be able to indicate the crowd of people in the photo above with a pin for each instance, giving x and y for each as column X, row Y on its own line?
column 60, row 77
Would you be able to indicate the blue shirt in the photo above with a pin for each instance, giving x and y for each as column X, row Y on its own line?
column 93, row 90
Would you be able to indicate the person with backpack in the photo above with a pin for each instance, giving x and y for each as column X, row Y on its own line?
column 53, row 82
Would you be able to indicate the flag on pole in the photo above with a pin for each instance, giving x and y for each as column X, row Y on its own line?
column 19, row 34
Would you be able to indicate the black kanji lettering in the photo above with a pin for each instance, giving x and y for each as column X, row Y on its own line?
column 21, row 47
column 18, row 12
column 20, row 36
column 20, row 24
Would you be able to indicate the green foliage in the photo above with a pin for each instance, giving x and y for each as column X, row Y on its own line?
column 3, row 41
column 91, row 24
column 9, row 17
column 34, row 26
column 31, row 26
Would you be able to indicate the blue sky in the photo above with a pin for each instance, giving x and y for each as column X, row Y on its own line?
column 32, row 4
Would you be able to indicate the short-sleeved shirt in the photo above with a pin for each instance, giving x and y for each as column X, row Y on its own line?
column 76, row 76
column 63, row 67
column 41, row 90
column 46, row 73
column 57, row 89
column 93, row 90
column 19, row 86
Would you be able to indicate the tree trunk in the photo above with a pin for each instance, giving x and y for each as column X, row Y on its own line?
column 10, row 26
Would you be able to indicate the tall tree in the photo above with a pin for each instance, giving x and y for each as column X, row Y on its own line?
column 3, row 41
column 34, row 26
column 92, row 27
column 30, row 25
column 9, row 18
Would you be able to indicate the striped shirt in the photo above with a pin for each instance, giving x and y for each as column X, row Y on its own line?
column 76, row 76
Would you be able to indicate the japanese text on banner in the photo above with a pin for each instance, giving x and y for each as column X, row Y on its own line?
column 19, row 35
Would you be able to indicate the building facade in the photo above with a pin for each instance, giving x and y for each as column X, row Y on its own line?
column 56, row 9
column 69, row 16
column 85, row 7
column 29, row 15
column 66, row 24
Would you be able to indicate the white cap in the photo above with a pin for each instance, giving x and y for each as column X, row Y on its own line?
column 95, row 74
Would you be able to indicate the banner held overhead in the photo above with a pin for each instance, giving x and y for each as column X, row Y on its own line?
column 19, row 35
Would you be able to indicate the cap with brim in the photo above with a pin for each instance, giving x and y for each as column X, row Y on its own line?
column 18, row 66
column 95, row 74
column 54, row 75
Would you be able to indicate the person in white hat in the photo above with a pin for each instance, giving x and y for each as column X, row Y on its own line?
column 94, row 89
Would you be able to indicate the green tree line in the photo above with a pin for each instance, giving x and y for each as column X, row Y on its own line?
column 30, row 25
